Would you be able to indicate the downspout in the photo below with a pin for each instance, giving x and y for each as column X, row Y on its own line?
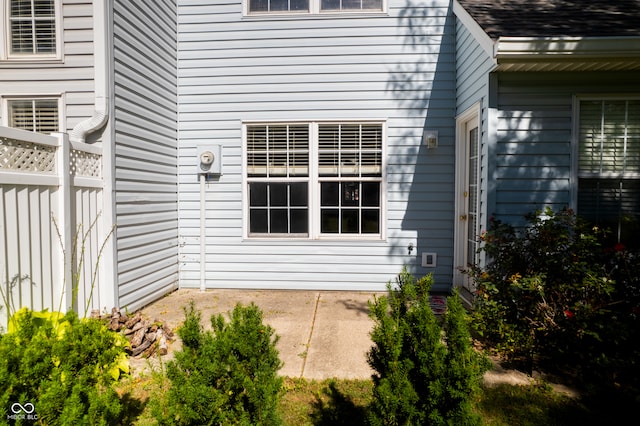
column 100, row 69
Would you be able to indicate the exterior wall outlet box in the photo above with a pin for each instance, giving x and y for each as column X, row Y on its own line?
column 429, row 260
column 209, row 159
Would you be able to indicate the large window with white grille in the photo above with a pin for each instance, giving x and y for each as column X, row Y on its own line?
column 314, row 179
column 313, row 6
column 32, row 29
column 609, row 166
column 36, row 115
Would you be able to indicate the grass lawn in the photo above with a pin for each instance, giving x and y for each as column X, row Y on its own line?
column 343, row 402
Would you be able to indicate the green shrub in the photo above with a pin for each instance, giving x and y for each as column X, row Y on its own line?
column 548, row 296
column 65, row 367
column 224, row 376
column 425, row 373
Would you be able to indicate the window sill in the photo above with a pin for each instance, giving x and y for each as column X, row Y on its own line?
column 320, row 239
column 30, row 61
column 312, row 15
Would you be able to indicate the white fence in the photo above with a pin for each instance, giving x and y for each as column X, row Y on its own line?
column 51, row 229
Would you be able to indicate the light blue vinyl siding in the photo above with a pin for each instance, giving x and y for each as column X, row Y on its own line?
column 533, row 163
column 397, row 68
column 146, row 183
column 473, row 67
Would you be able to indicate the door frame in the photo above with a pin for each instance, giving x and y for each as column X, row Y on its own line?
column 470, row 115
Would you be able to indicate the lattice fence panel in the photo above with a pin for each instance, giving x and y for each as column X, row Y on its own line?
column 85, row 164
column 25, row 156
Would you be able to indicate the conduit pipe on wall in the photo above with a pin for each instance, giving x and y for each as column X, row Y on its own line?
column 203, row 245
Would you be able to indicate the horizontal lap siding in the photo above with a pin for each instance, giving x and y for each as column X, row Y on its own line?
column 146, row 183
column 396, row 67
column 533, row 164
column 72, row 77
column 473, row 66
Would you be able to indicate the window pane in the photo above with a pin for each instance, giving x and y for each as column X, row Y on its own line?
column 45, row 37
column 350, row 221
column 43, row 8
column 351, row 4
column 329, row 221
column 329, row 194
column 371, row 194
column 278, row 5
column 372, row 4
column 278, row 194
column 371, row 221
column 20, row 8
column 21, row 37
column 330, row 5
column 258, row 221
column 258, row 6
column 299, row 221
column 279, row 221
column 350, row 194
column 299, row 194
column 258, row 194
column 299, row 4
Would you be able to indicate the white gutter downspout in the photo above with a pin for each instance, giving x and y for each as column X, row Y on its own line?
column 100, row 69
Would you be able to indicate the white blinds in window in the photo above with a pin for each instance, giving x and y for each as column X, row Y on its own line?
column 33, row 26
column 609, row 138
column 39, row 115
column 609, row 164
column 278, row 151
column 350, row 150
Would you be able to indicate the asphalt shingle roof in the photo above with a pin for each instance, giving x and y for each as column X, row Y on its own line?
column 556, row 18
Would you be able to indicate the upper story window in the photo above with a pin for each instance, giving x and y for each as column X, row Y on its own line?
column 278, row 5
column 32, row 29
column 314, row 179
column 609, row 166
column 350, row 5
column 36, row 115
column 313, row 6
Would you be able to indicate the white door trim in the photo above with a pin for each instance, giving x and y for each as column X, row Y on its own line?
column 472, row 116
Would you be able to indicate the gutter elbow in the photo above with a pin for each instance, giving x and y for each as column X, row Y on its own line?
column 90, row 125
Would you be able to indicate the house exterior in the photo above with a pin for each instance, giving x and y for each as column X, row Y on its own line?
column 347, row 138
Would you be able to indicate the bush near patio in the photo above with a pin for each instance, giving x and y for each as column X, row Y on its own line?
column 62, row 368
column 224, row 376
column 425, row 372
column 554, row 297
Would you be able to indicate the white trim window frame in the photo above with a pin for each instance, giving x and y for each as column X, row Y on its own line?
column 41, row 113
column 31, row 30
column 330, row 185
column 312, row 7
column 607, row 161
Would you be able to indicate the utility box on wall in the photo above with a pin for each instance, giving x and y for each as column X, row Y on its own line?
column 209, row 159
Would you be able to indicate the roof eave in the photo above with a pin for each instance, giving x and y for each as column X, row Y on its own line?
column 567, row 53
